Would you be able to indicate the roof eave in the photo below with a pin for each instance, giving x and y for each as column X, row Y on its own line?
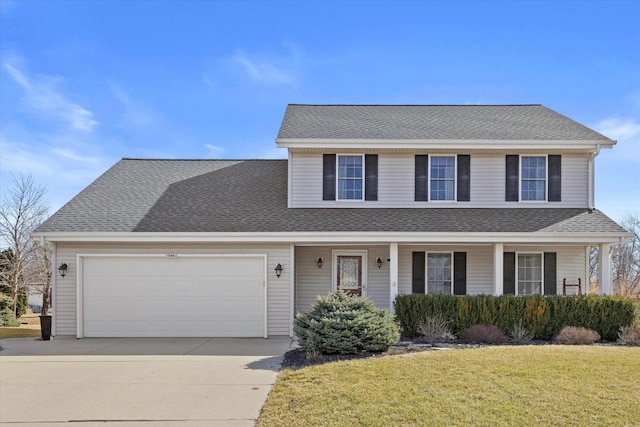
column 438, row 144
column 334, row 237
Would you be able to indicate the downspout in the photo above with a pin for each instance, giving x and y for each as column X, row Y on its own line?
column 592, row 179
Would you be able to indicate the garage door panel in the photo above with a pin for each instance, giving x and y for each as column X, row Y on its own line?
column 183, row 296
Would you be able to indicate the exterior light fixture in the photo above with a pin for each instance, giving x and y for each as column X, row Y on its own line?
column 379, row 262
column 320, row 261
column 63, row 269
column 278, row 270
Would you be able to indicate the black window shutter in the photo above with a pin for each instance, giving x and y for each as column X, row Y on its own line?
column 555, row 177
column 512, row 178
column 460, row 273
column 422, row 178
column 509, row 273
column 418, row 267
column 464, row 178
column 550, row 281
column 371, row 176
column 329, row 177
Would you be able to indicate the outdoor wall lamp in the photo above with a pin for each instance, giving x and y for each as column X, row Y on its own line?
column 320, row 261
column 379, row 262
column 63, row 269
column 278, row 270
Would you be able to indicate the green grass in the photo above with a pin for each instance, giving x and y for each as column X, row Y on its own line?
column 20, row 332
column 495, row 386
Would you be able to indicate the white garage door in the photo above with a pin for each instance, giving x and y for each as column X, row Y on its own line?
column 182, row 296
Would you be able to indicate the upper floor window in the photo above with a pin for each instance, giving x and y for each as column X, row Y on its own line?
column 529, row 274
column 533, row 179
column 350, row 177
column 442, row 176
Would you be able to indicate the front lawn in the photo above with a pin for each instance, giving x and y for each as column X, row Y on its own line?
column 494, row 386
column 19, row 332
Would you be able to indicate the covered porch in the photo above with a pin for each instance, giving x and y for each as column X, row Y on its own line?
column 381, row 271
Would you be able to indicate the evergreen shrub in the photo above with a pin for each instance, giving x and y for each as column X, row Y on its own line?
column 344, row 324
column 542, row 316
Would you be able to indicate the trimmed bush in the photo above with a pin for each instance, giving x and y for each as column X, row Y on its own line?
column 542, row 316
column 344, row 324
column 435, row 329
column 8, row 318
column 5, row 302
column 576, row 335
column 485, row 333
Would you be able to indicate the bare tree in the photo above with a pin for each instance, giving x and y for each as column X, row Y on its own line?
column 594, row 269
column 22, row 210
column 626, row 259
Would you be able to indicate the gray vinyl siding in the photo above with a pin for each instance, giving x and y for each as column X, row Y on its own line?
column 396, row 183
column 278, row 289
column 311, row 281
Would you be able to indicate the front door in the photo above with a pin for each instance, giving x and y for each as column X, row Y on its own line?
column 350, row 274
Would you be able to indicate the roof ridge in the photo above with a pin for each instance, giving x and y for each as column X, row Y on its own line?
column 201, row 160
column 419, row 105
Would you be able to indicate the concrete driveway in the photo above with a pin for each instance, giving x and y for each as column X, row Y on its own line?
column 137, row 381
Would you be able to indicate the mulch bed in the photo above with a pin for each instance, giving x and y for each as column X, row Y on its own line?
column 297, row 358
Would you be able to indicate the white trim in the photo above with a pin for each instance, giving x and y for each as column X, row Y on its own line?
column 292, row 277
column 426, row 269
column 546, row 178
column 498, row 269
column 455, row 178
column 334, row 267
column 362, row 178
column 80, row 282
column 541, row 270
column 382, row 237
column 393, row 275
column 446, row 144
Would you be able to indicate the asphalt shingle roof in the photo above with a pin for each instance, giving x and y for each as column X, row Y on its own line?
column 250, row 196
column 432, row 122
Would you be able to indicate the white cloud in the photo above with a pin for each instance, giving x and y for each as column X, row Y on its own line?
column 624, row 130
column 43, row 95
column 135, row 116
column 214, row 150
column 263, row 71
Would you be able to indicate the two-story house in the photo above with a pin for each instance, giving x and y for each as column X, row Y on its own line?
column 378, row 200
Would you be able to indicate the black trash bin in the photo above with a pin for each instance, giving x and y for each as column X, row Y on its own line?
column 45, row 327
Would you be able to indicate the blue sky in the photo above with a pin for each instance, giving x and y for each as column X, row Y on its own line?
column 85, row 83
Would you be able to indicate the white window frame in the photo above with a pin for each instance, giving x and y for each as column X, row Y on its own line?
column 426, row 269
column 546, row 179
column 338, row 199
column 455, row 178
column 541, row 271
column 334, row 267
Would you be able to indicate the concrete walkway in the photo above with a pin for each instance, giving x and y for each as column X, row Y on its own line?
column 137, row 382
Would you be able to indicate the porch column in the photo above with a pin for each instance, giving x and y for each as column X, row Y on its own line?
column 393, row 275
column 498, row 265
column 604, row 275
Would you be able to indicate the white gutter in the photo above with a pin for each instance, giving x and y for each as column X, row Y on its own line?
column 335, row 237
column 464, row 144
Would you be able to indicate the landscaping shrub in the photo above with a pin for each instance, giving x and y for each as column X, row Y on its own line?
column 344, row 324
column 8, row 318
column 543, row 316
column 5, row 302
column 434, row 329
column 576, row 335
column 630, row 335
column 518, row 333
column 484, row 333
